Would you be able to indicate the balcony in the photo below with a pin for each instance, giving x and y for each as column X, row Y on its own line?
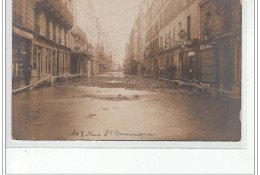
column 17, row 18
column 56, row 9
column 37, row 28
column 78, row 32
column 47, row 33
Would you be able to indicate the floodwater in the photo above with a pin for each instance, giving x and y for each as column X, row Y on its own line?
column 94, row 113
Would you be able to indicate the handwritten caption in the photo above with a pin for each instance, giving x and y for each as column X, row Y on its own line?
column 110, row 133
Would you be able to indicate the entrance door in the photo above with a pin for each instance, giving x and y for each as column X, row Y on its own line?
column 193, row 68
column 53, row 63
column 208, row 68
column 228, row 67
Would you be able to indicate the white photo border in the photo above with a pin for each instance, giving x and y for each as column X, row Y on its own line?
column 66, row 156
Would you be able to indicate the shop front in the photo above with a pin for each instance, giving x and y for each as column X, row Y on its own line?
column 220, row 63
column 21, row 61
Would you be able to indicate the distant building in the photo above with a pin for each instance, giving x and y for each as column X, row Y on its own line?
column 131, row 64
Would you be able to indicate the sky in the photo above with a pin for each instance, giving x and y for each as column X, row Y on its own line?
column 117, row 18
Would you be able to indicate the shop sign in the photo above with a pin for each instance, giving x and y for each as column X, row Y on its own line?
column 191, row 53
column 205, row 46
column 182, row 34
column 181, row 43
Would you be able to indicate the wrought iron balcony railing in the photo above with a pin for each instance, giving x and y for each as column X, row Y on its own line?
column 59, row 10
column 80, row 33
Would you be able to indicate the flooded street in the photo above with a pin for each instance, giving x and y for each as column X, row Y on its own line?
column 117, row 107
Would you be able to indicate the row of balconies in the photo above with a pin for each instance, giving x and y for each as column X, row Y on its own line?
column 78, row 32
column 58, row 10
column 37, row 29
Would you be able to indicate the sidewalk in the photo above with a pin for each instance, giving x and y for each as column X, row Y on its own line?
column 203, row 88
column 48, row 81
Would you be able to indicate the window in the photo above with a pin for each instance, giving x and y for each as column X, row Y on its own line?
column 48, row 28
column 173, row 35
column 188, row 28
column 161, row 41
column 161, row 20
column 179, row 5
column 180, row 25
column 175, row 8
column 166, row 36
column 165, row 17
column 170, row 11
column 156, row 26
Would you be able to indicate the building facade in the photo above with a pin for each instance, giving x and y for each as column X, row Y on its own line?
column 41, row 39
column 191, row 40
column 54, row 38
column 220, row 44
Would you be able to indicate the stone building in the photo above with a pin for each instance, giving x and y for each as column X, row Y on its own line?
column 131, row 53
column 140, row 30
column 82, row 39
column 192, row 40
column 56, row 38
column 41, row 38
column 220, row 44
column 175, row 43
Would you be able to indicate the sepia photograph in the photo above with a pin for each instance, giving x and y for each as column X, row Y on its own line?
column 126, row 70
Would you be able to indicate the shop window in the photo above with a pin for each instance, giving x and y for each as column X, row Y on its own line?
column 48, row 61
column 16, row 62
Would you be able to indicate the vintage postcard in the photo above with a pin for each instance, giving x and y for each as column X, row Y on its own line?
column 126, row 70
